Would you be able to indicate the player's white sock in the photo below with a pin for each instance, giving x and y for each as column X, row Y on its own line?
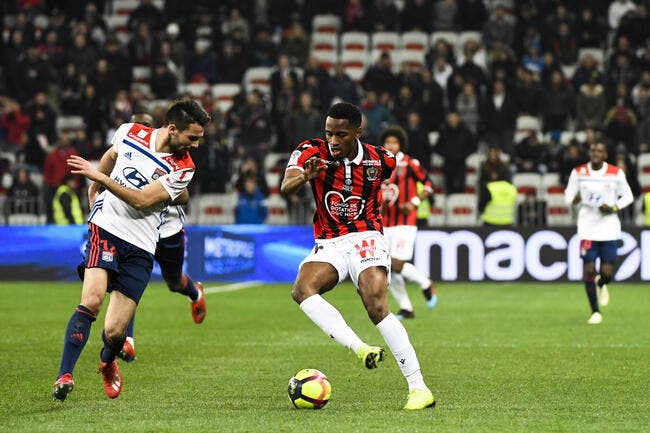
column 398, row 289
column 398, row 342
column 411, row 273
column 328, row 318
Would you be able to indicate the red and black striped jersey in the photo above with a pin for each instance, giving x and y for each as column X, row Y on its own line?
column 400, row 188
column 348, row 193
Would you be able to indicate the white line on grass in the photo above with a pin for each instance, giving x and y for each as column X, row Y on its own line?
column 232, row 287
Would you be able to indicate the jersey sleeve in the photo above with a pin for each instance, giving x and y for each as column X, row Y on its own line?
column 305, row 150
column 420, row 174
column 626, row 197
column 176, row 181
column 571, row 188
column 388, row 163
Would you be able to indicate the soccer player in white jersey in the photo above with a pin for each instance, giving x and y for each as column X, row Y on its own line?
column 170, row 255
column 601, row 190
column 151, row 168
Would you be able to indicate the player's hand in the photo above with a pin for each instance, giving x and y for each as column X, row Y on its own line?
column 78, row 165
column 407, row 208
column 607, row 209
column 313, row 168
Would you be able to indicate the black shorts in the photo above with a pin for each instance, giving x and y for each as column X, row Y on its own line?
column 129, row 267
column 170, row 253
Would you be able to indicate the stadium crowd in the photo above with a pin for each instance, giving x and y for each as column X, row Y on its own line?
column 543, row 80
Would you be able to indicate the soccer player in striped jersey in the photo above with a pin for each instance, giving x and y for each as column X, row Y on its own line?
column 170, row 255
column 152, row 167
column 399, row 216
column 601, row 190
column 345, row 177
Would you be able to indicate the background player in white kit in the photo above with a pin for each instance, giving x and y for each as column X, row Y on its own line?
column 170, row 255
column 151, row 168
column 601, row 190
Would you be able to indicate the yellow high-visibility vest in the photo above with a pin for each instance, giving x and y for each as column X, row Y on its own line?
column 75, row 208
column 500, row 210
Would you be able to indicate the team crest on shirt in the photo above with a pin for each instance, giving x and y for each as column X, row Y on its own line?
column 371, row 173
column 157, row 173
column 339, row 207
column 107, row 256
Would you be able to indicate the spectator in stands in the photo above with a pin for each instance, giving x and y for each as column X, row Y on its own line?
column 202, row 64
column 35, row 73
column 94, row 109
column 418, row 139
column 497, row 201
column 378, row 116
column 143, row 47
column 55, row 169
column 43, row 117
column 281, row 71
column 304, row 121
column 16, row 124
column 454, row 145
column 623, row 162
column 468, row 107
column 500, row 117
column 442, row 71
column 54, row 50
column 493, row 167
column 591, row 105
column 444, row 15
column 355, row 17
column 473, row 15
column 282, row 108
column 586, row 71
column 163, row 82
column 620, row 123
column 531, row 212
column 405, row 102
column 251, row 208
column 213, row 172
column 617, row 9
column 642, row 137
column 295, row 43
column 565, row 46
column 498, row 28
column 590, row 32
column 103, row 79
column 379, row 77
column 264, row 51
column 558, row 103
column 66, row 207
column 531, row 154
column 528, row 93
column 431, row 101
column 82, row 55
column 119, row 61
column 148, row 13
column 235, row 23
column 469, row 68
column 384, row 15
column 341, row 87
column 23, row 195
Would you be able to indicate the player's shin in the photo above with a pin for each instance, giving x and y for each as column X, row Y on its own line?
column 328, row 318
column 76, row 336
column 399, row 344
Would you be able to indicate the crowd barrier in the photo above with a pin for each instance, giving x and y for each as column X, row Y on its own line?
column 273, row 253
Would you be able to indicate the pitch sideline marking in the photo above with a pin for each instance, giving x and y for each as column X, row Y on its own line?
column 231, row 287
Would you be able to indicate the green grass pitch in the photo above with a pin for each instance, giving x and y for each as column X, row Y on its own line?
column 498, row 357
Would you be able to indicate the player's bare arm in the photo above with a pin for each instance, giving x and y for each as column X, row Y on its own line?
column 106, row 165
column 294, row 178
column 150, row 195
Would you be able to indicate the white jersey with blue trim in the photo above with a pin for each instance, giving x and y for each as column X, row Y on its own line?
column 137, row 165
column 606, row 186
column 173, row 221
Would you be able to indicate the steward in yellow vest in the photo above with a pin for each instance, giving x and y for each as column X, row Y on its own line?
column 500, row 209
column 66, row 208
column 646, row 209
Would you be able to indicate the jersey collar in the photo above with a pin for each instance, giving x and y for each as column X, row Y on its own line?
column 603, row 169
column 357, row 159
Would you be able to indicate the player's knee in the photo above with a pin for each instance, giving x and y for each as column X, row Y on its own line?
column 114, row 333
column 93, row 303
column 300, row 292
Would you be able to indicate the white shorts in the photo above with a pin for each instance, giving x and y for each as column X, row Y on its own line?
column 402, row 241
column 351, row 254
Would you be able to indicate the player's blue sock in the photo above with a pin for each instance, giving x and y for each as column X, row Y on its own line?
column 604, row 280
column 129, row 329
column 111, row 348
column 76, row 336
column 189, row 289
column 590, row 287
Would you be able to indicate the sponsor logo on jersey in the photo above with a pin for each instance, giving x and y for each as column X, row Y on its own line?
column 339, row 207
column 138, row 136
column 134, row 177
column 128, row 155
column 142, row 133
column 372, row 162
column 157, row 173
column 171, row 161
column 366, row 248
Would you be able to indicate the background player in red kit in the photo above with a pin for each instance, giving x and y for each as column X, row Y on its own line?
column 345, row 177
column 399, row 216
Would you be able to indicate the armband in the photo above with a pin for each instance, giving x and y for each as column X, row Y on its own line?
column 416, row 201
column 614, row 208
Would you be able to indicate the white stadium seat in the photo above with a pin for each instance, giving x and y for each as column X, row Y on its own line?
column 224, row 94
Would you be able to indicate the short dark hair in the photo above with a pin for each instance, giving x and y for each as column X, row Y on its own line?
column 185, row 112
column 345, row 110
column 397, row 132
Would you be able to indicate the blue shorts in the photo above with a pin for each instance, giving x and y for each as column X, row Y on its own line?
column 170, row 253
column 606, row 250
column 129, row 267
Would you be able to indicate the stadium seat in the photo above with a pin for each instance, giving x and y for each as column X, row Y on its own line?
column 258, row 77
column 277, row 210
column 354, row 64
column 433, row 136
column 326, row 23
column 527, row 182
column 69, row 122
column 415, row 41
column 597, row 53
column 461, row 210
column 643, row 163
column 273, row 181
column 450, row 37
column 273, row 160
column 354, row 41
column 551, row 184
column 217, row 208
column 437, row 162
column 117, row 23
column 437, row 211
column 141, row 74
column 473, row 163
column 468, row 35
column 324, row 42
column 25, row 219
column 196, row 90
column 41, row 22
column 224, row 94
column 557, row 212
column 384, row 41
column 125, row 7
column 326, row 58
column 414, row 59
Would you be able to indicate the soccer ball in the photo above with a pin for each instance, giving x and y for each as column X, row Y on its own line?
column 309, row 389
